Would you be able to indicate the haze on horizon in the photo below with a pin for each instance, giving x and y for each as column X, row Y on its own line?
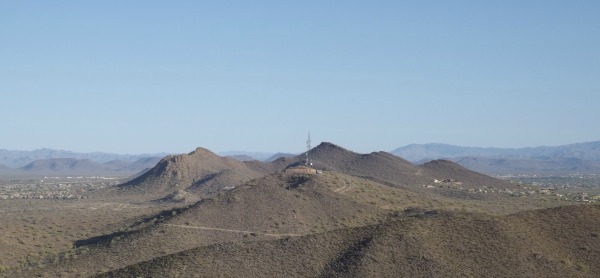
column 150, row 76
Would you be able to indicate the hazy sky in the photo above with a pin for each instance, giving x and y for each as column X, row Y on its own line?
column 153, row 76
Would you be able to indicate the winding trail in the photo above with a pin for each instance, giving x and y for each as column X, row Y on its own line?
column 343, row 188
column 231, row 231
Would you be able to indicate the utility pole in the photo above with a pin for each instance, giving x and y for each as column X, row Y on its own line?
column 307, row 150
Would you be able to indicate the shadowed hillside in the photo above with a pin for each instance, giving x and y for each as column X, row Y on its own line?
column 378, row 165
column 394, row 171
column 366, row 215
column 559, row 242
column 275, row 206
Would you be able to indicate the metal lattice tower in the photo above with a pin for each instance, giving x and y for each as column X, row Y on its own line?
column 307, row 150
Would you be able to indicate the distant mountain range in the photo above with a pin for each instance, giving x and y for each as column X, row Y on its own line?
column 260, row 156
column 419, row 152
column 72, row 166
column 245, row 156
column 573, row 158
column 16, row 159
column 581, row 157
column 58, row 162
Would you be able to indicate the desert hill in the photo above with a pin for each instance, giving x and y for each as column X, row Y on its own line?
column 558, row 242
column 204, row 172
column 365, row 215
column 377, row 165
column 389, row 169
column 199, row 170
column 275, row 206
column 364, row 210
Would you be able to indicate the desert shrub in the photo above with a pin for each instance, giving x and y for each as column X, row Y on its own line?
column 585, row 248
column 567, row 261
column 582, row 267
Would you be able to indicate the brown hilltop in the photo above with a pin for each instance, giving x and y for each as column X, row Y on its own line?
column 392, row 170
column 205, row 172
column 199, row 170
column 377, row 165
column 560, row 242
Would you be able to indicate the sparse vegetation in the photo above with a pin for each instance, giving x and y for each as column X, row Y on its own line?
column 367, row 215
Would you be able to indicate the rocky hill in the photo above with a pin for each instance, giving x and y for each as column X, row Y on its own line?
column 558, row 242
column 395, row 171
column 204, row 172
column 199, row 170
column 275, row 206
column 377, row 165
column 365, row 215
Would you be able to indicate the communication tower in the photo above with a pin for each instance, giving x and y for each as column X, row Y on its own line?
column 307, row 150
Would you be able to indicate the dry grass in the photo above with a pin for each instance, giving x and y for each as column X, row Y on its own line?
column 370, row 217
column 32, row 230
column 417, row 244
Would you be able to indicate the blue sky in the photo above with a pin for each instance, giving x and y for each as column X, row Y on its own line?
column 168, row 76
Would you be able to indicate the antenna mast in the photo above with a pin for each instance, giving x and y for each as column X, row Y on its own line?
column 307, row 150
